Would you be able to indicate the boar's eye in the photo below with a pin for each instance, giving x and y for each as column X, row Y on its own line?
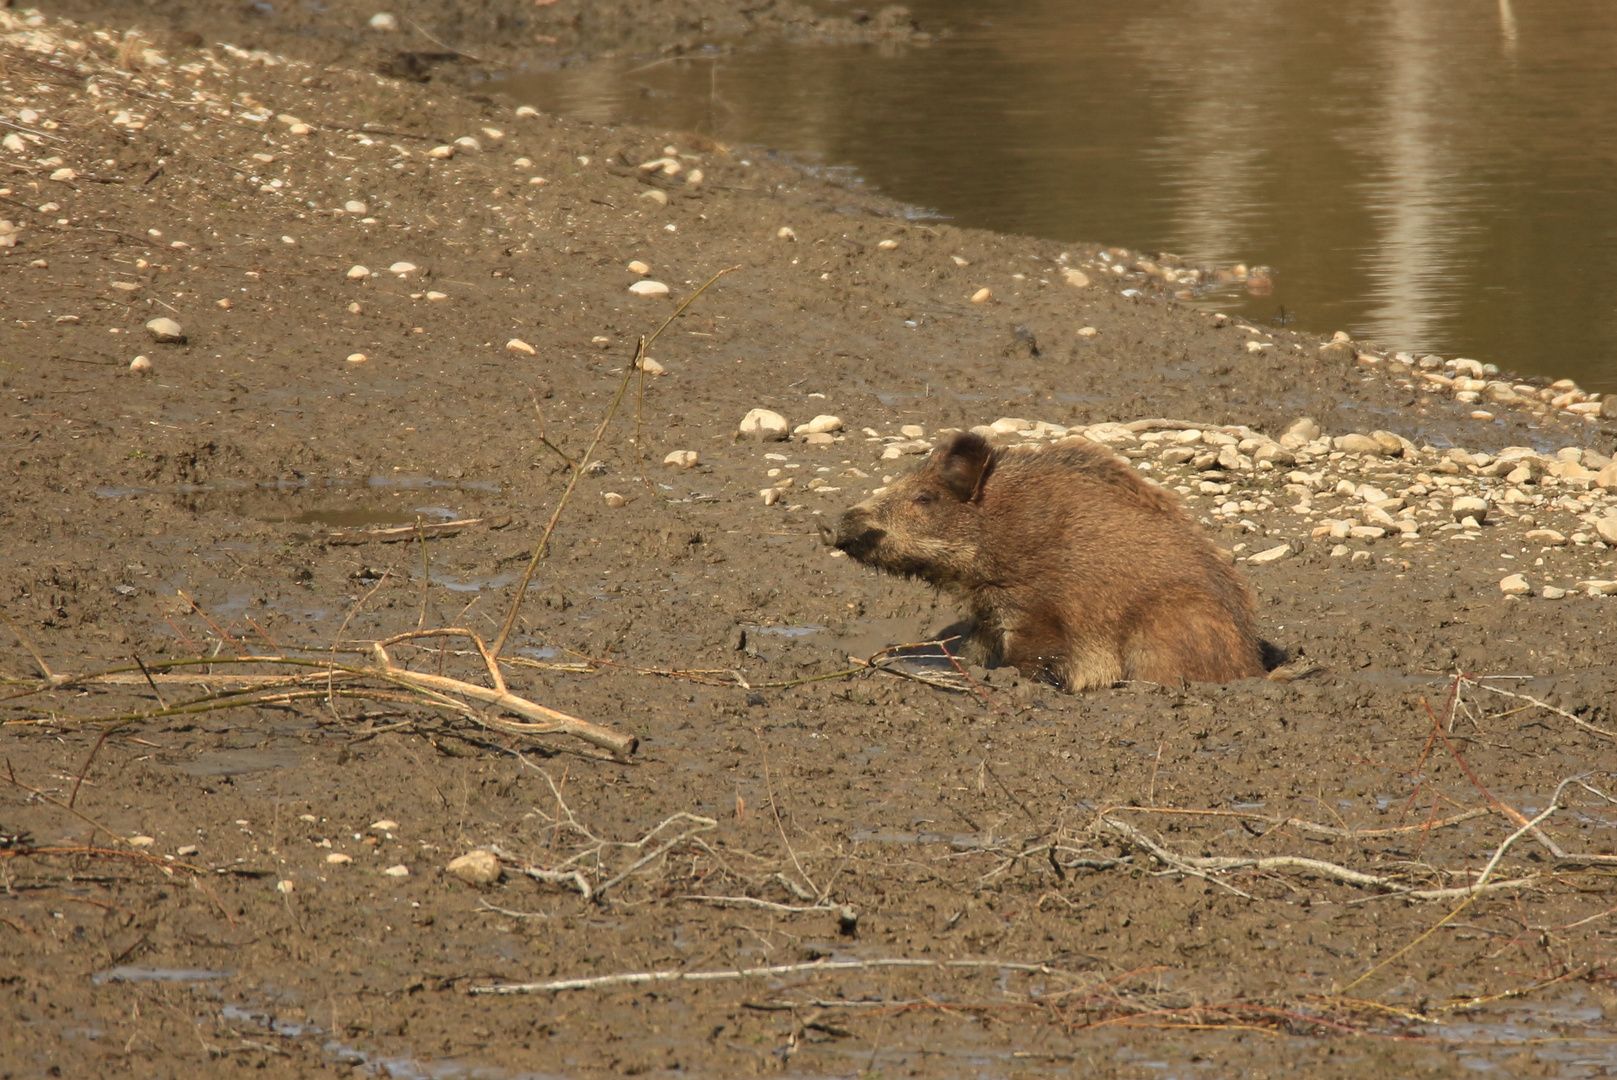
column 923, row 498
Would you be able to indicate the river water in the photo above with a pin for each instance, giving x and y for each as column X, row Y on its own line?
column 1434, row 175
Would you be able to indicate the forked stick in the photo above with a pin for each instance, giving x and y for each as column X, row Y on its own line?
column 547, row 721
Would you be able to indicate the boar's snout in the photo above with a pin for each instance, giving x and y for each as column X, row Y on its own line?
column 828, row 534
column 853, row 534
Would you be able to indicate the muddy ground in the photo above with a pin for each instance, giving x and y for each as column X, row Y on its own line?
column 172, row 903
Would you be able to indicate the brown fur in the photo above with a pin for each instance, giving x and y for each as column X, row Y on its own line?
column 1071, row 564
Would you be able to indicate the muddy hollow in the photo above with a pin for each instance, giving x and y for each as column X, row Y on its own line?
column 229, row 819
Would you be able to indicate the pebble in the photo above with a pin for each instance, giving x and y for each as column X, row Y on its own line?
column 638, row 267
column 1515, row 585
column 821, row 423
column 1076, row 278
column 1271, row 555
column 912, row 431
column 1469, row 506
column 1606, row 528
column 397, row 871
column 980, row 296
column 1547, row 537
column 141, row 364
column 437, row 295
column 187, row 850
column 1358, row 444
column 820, row 438
column 384, row 22
column 614, row 500
column 337, row 858
column 354, row 206
column 518, row 345
column 651, row 367
column 683, row 459
column 165, row 330
column 357, row 358
column 887, row 245
column 476, row 867
column 527, row 110
column 785, row 232
column 1551, row 592
column 649, row 288
column 357, row 272
column 284, row 886
column 958, row 261
column 468, row 142
column 658, row 197
column 441, row 152
column 770, row 496
column 142, row 841
column 763, row 425
column 1087, row 331
column 400, row 268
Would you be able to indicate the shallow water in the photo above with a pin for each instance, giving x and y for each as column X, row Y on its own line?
column 1435, row 175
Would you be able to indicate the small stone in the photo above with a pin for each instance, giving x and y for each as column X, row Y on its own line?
column 656, row 196
column 823, row 422
column 682, row 459
column 299, row 128
column 638, row 267
column 614, row 500
column 981, row 296
column 358, row 272
column 1087, row 331
column 785, row 232
column 166, row 331
column 1606, row 478
column 384, row 22
column 1598, row 588
column 441, row 153
column 354, row 206
column 400, row 268
column 470, row 143
column 64, row 175
column 432, row 295
column 1271, row 555
column 912, row 431
column 1469, row 506
column 518, row 345
column 14, row 143
column 1547, row 537
column 1606, row 528
column 601, row 341
column 1075, row 277
column 141, row 365
column 187, row 850
column 651, row 367
column 1358, row 444
column 649, row 288
column 1362, row 558
column 1367, row 532
column 398, row 871
column 384, row 825
column 141, row 841
column 820, row 438
column 1551, row 592
column 477, row 867
column 125, row 286
column 770, row 496
column 284, row 886
column 357, row 358
column 763, row 425
column 1515, row 585
column 887, row 245
column 526, row 111
column 337, row 858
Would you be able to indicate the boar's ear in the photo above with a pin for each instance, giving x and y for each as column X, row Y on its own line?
column 963, row 463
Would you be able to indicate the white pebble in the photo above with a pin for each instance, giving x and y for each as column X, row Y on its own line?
column 518, row 345
column 494, row 134
column 356, row 272
column 1076, row 278
column 683, row 459
column 1271, row 555
column 912, row 431
column 1469, row 506
column 638, row 267
column 398, row 871
column 140, row 364
column 958, row 261
column 467, row 142
column 441, row 152
column 284, row 886
column 770, row 496
column 337, row 858
column 64, row 175
column 164, row 329
column 384, row 22
column 527, row 110
column 357, row 358
column 1515, row 585
column 763, row 425
column 981, row 295
column 614, row 500
column 437, row 296
column 354, row 206
column 649, row 288
column 477, row 867
column 888, row 245
column 1087, row 331
column 822, row 423
column 142, row 841
column 656, row 196
column 651, row 367
column 785, row 232
column 400, row 268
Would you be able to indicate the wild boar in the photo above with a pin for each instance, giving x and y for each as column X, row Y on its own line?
column 1073, row 567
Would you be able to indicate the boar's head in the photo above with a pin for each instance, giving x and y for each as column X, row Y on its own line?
column 929, row 524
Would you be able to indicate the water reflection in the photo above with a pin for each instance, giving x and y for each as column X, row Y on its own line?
column 1437, row 175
